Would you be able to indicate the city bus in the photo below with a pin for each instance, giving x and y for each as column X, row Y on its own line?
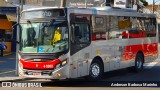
column 63, row 43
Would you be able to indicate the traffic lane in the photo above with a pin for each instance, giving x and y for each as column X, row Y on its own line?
column 7, row 65
column 146, row 75
column 149, row 74
column 8, row 73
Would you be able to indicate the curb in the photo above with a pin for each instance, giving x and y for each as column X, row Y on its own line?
column 10, row 79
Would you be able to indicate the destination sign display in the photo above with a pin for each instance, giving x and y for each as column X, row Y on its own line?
column 43, row 13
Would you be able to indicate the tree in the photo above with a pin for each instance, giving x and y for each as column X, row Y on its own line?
column 145, row 3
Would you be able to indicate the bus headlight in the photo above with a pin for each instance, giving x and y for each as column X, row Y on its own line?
column 62, row 63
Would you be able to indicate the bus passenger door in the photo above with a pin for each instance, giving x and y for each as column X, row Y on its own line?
column 80, row 49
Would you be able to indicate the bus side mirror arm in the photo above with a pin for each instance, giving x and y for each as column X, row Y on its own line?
column 13, row 27
column 15, row 41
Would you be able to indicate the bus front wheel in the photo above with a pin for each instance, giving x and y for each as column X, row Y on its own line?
column 95, row 71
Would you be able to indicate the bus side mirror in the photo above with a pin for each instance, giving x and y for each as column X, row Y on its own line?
column 13, row 28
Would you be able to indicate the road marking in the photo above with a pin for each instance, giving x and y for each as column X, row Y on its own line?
column 150, row 65
column 6, row 54
column 7, row 72
column 12, row 58
column 2, row 61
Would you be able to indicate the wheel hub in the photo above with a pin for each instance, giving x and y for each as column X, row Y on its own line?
column 95, row 70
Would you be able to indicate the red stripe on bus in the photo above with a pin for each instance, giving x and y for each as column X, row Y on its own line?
column 39, row 65
column 147, row 49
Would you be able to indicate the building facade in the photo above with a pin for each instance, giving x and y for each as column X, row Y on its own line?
column 6, row 23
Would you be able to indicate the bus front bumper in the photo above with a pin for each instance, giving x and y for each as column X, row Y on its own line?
column 60, row 73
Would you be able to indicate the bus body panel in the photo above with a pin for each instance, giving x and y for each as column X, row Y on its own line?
column 80, row 62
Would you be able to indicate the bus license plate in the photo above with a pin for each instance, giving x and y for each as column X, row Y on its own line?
column 36, row 73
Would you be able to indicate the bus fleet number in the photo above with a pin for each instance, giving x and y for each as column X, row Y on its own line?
column 48, row 66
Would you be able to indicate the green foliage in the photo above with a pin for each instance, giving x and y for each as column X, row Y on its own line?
column 145, row 3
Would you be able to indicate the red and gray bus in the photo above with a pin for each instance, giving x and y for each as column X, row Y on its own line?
column 90, row 42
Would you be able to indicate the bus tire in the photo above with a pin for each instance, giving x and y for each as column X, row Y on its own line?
column 139, row 62
column 95, row 71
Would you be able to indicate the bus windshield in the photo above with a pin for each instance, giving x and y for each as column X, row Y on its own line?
column 43, row 37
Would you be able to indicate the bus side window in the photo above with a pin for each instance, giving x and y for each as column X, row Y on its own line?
column 80, row 33
column 75, row 34
column 72, row 34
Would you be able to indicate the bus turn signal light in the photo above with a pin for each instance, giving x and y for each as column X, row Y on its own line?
column 58, row 74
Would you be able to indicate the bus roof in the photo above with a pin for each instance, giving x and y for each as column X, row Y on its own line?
column 100, row 11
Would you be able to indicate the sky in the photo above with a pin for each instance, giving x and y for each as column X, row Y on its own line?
column 151, row 1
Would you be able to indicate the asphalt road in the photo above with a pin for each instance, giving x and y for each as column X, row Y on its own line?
column 8, row 66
